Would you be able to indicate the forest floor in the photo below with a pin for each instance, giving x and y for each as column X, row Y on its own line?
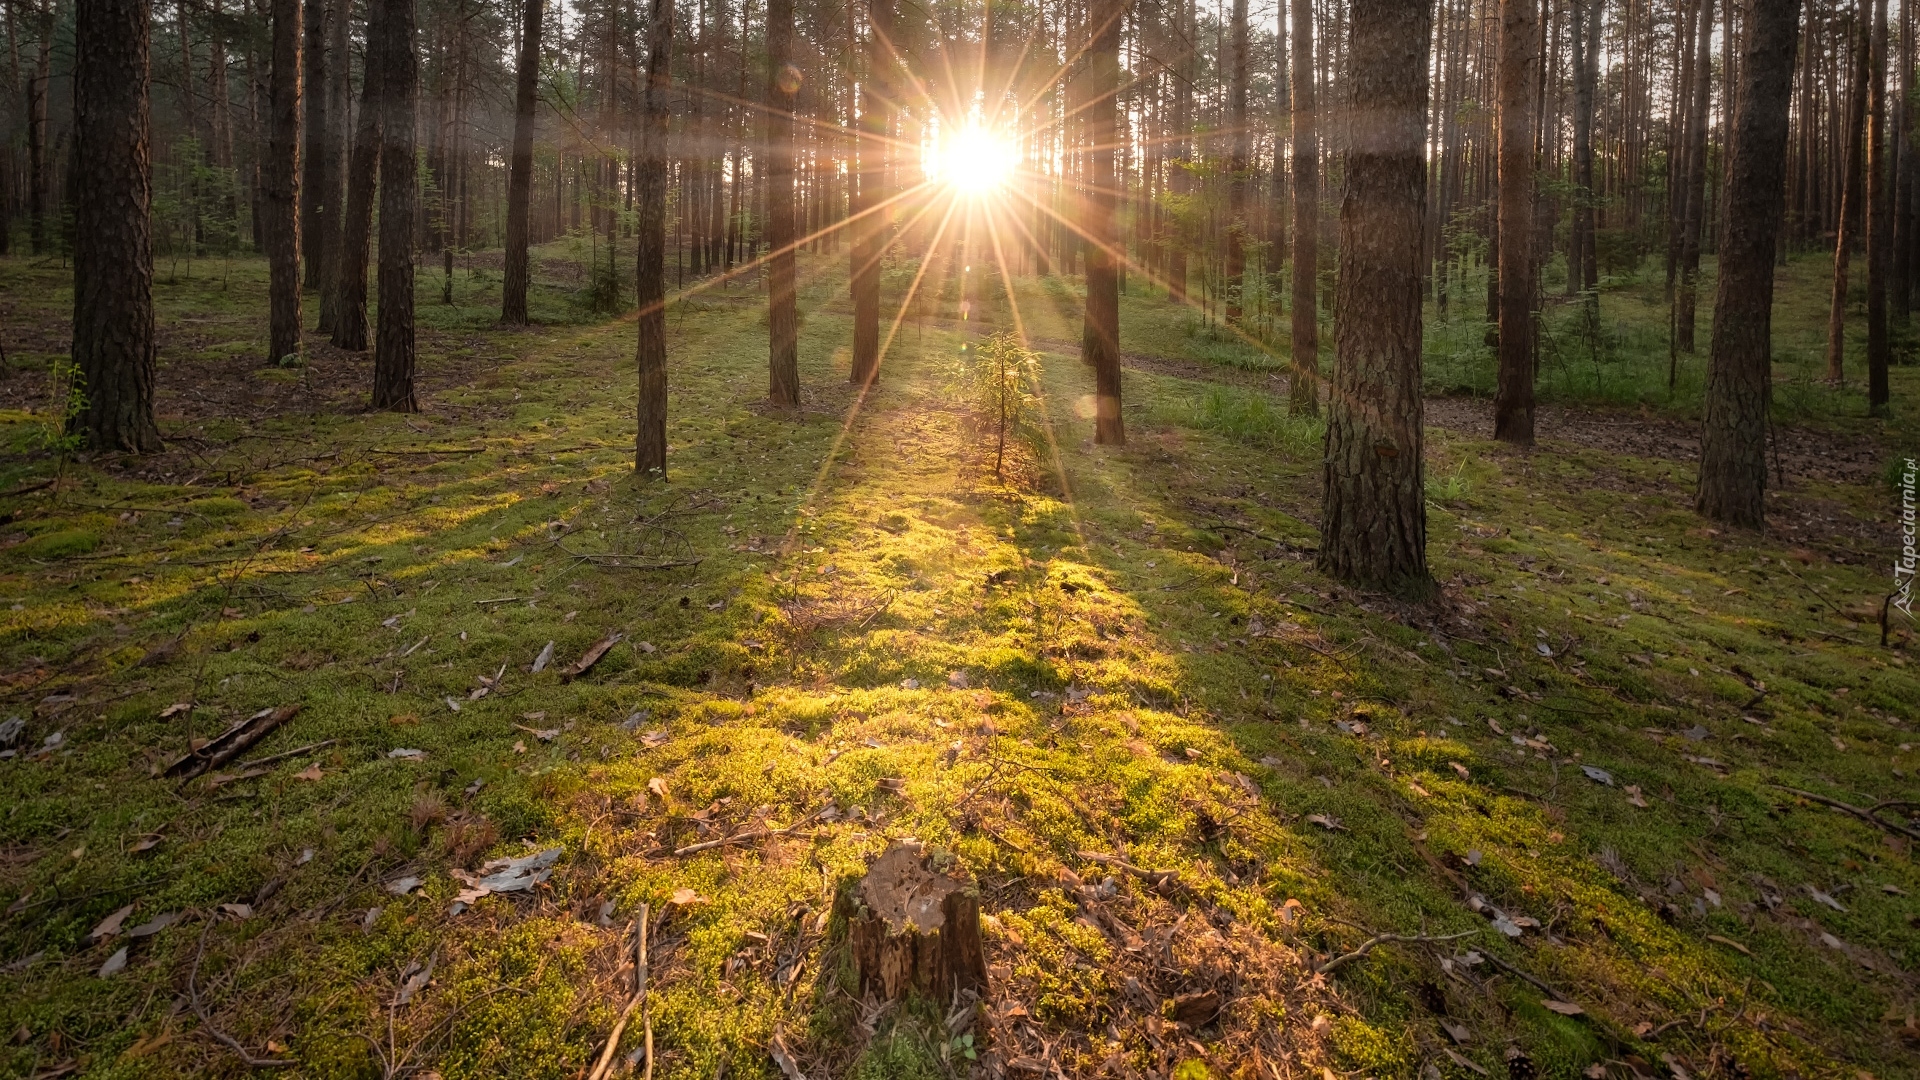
column 1601, row 773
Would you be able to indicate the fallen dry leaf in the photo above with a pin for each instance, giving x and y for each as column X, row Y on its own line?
column 110, row 926
column 1564, row 1008
column 658, row 785
column 311, row 772
column 1730, row 943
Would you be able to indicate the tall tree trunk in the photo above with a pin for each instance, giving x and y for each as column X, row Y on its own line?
column 1238, row 141
column 1519, row 76
column 363, row 170
column 333, row 167
column 513, row 289
column 1373, row 526
column 39, row 173
column 783, row 79
column 870, row 229
column 316, row 206
column 1580, row 237
column 1733, row 437
column 1693, row 217
column 1304, row 395
column 1182, row 151
column 1900, row 154
column 393, row 348
column 1853, row 189
column 1879, row 207
column 113, row 333
column 650, row 440
column 280, row 187
column 1100, row 333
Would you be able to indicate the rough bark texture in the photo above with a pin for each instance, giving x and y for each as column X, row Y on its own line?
column 650, row 231
column 916, row 928
column 1879, row 207
column 280, row 187
column 332, row 164
column 1850, row 216
column 1373, row 528
column 1694, row 199
column 393, row 351
column 317, row 207
column 783, row 350
column 1100, row 333
column 113, row 330
column 1733, row 439
column 1519, row 76
column 513, row 289
column 1305, row 394
column 363, row 172
column 1580, row 246
column 870, row 227
column 1239, row 140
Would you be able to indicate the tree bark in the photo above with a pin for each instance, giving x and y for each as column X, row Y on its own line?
column 113, row 330
column 393, row 351
column 1580, row 239
column 1879, row 207
column 1373, row 528
column 363, row 171
column 1238, row 142
column 1182, row 151
column 38, row 179
column 1693, row 216
column 915, row 928
column 332, row 172
column 1100, row 333
column 783, row 79
column 870, row 228
column 1519, row 76
column 1733, row 438
column 513, row 289
column 317, row 204
column 650, row 231
column 280, row 187
column 1852, row 191
column 1304, row 394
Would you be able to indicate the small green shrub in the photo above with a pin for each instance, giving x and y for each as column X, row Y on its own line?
column 1255, row 418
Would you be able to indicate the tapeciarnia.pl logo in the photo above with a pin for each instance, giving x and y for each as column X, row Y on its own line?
column 1904, row 565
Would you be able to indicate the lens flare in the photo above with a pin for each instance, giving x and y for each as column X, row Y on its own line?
column 974, row 160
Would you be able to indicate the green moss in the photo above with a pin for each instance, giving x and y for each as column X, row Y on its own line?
column 61, row 544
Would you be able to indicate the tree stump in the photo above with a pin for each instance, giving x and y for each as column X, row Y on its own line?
column 916, row 927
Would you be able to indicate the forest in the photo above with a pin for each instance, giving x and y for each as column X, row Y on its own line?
column 959, row 539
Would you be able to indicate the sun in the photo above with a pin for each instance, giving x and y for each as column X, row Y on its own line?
column 975, row 160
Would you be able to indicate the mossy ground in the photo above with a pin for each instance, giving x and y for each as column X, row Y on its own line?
column 1107, row 652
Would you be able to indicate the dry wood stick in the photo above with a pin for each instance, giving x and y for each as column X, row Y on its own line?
column 1381, row 939
column 636, row 1001
column 1866, row 815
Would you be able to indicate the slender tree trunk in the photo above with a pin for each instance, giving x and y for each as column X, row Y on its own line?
column 333, row 166
column 393, row 351
column 870, row 230
column 1182, row 180
column 1100, row 334
column 1304, row 393
column 113, row 331
column 350, row 277
column 1852, row 191
column 39, row 179
column 1733, row 438
column 513, row 289
column 1238, row 141
column 316, row 206
column 650, row 440
column 783, row 79
column 1373, row 528
column 1693, row 217
column 280, row 183
column 1519, row 76
column 1587, row 221
column 1900, row 153
column 1879, row 207
column 1580, row 236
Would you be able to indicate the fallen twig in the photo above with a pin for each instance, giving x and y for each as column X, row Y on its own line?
column 753, row 834
column 1516, row 972
column 1381, row 939
column 285, row 754
column 193, row 994
column 635, row 1002
column 448, row 450
column 1868, row 815
column 27, row 489
column 1151, row 877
